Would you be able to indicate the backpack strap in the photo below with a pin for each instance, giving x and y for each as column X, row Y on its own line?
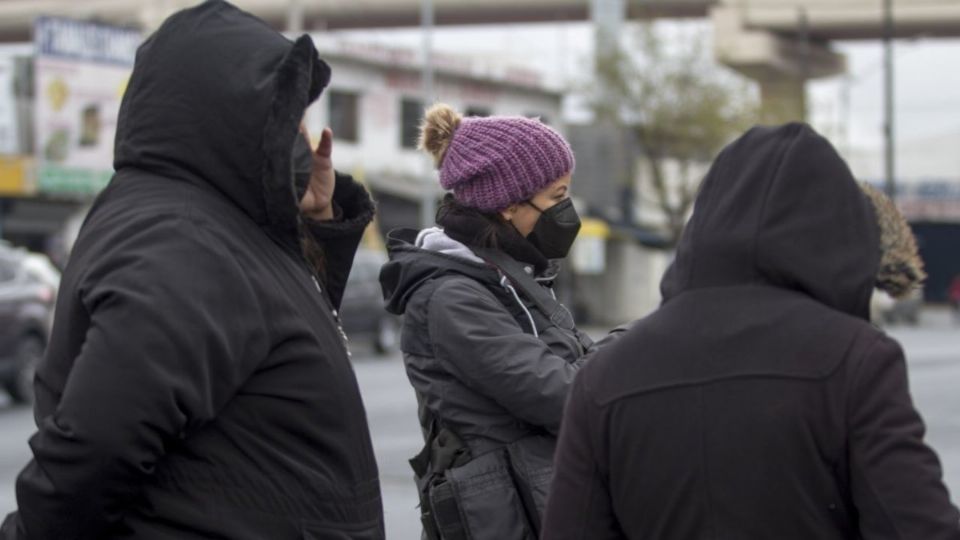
column 556, row 312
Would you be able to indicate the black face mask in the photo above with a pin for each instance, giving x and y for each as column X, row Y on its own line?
column 302, row 159
column 556, row 229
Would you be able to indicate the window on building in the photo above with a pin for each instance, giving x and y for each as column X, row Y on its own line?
column 411, row 112
column 476, row 111
column 345, row 115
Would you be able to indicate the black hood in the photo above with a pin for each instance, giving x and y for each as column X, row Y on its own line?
column 216, row 98
column 780, row 207
column 410, row 267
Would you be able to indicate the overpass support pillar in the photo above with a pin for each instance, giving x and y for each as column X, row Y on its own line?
column 780, row 64
column 782, row 98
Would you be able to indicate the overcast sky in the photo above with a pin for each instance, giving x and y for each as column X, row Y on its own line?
column 927, row 86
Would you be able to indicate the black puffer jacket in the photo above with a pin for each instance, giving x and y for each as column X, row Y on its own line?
column 196, row 383
column 480, row 368
column 764, row 405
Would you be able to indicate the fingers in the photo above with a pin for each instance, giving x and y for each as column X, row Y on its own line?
column 325, row 148
column 308, row 201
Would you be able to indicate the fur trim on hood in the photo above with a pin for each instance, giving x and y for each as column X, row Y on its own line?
column 901, row 268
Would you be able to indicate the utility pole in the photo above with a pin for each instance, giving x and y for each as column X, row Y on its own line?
column 845, row 113
column 607, row 18
column 888, row 111
column 803, row 24
column 428, row 202
column 295, row 17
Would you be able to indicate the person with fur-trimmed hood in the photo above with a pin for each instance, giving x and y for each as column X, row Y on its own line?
column 196, row 383
column 758, row 401
column 488, row 349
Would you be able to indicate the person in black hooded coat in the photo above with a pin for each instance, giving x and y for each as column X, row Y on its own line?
column 197, row 384
column 759, row 402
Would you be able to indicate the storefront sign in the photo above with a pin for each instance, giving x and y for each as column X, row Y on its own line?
column 81, row 71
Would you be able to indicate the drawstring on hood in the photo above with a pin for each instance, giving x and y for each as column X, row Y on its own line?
column 505, row 283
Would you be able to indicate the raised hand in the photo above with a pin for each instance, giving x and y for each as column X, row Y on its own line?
column 317, row 200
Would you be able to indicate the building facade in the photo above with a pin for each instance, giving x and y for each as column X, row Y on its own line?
column 374, row 106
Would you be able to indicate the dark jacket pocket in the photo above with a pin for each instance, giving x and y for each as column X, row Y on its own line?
column 490, row 506
column 531, row 462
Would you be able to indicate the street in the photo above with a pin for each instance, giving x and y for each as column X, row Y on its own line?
column 933, row 351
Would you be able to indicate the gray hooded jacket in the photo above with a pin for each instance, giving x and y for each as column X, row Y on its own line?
column 485, row 361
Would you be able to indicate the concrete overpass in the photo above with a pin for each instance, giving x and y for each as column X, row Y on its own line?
column 783, row 43
column 778, row 43
column 16, row 15
column 828, row 19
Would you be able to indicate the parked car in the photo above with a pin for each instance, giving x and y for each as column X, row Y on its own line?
column 28, row 289
column 361, row 311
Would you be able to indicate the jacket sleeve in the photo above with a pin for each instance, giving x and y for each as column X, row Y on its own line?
column 611, row 337
column 482, row 344
column 579, row 506
column 172, row 331
column 896, row 479
column 339, row 238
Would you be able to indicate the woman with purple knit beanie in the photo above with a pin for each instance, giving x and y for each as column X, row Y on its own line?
column 488, row 349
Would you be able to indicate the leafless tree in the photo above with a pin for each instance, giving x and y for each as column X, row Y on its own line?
column 681, row 107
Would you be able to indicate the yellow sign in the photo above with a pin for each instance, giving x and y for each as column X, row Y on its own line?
column 16, row 176
column 592, row 227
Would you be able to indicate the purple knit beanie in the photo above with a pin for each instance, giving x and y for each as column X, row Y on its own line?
column 493, row 162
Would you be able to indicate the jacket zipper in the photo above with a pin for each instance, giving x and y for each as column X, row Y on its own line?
column 300, row 261
column 336, row 316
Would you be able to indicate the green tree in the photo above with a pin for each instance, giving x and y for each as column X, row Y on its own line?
column 681, row 107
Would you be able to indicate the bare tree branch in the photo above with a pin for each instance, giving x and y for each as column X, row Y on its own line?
column 679, row 106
